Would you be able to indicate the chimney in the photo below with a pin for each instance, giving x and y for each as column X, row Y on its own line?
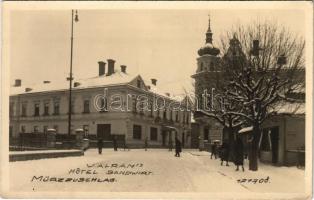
column 45, row 82
column 101, row 69
column 28, row 89
column 123, row 68
column 154, row 81
column 110, row 66
column 76, row 84
column 18, row 83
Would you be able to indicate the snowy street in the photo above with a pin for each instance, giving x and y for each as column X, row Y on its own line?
column 155, row 170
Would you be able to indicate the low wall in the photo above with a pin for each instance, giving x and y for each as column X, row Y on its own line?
column 35, row 155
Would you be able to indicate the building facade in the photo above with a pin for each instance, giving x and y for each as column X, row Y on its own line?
column 283, row 136
column 111, row 103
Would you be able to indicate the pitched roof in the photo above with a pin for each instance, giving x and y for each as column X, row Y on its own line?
column 117, row 78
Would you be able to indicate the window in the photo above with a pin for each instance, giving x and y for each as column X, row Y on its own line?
column 11, row 111
column 137, row 132
column 24, row 108
column 45, row 129
column 56, row 108
column 165, row 114
column 177, row 116
column 36, row 129
column 139, row 83
column 153, row 133
column 46, row 108
column 86, row 106
column 202, row 67
column 141, row 107
column 134, row 104
column 187, row 118
column 211, row 67
column 86, row 129
column 36, row 111
column 23, row 129
column 151, row 109
column 103, row 105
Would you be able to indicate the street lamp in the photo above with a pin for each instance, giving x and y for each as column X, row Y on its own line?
column 71, row 75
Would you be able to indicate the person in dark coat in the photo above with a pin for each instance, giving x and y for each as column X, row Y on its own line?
column 100, row 145
column 178, row 147
column 115, row 143
column 224, row 153
column 239, row 154
column 214, row 149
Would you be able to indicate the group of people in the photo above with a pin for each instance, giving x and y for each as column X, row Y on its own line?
column 100, row 145
column 224, row 152
column 178, row 145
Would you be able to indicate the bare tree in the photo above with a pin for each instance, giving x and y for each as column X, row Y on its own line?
column 271, row 70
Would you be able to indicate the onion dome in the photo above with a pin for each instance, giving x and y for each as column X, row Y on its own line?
column 208, row 48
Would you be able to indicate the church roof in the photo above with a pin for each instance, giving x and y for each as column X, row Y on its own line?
column 208, row 48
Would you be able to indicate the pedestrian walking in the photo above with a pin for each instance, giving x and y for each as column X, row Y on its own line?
column 124, row 144
column 115, row 143
column 146, row 143
column 239, row 153
column 224, row 153
column 214, row 149
column 170, row 145
column 178, row 147
column 100, row 145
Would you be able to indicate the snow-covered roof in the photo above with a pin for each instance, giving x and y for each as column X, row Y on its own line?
column 291, row 108
column 157, row 90
column 246, row 129
column 116, row 78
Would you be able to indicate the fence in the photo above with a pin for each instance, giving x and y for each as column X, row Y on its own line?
column 37, row 141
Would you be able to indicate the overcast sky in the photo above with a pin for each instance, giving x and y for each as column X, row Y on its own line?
column 159, row 44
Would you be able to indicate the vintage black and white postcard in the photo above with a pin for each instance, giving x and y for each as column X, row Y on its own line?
column 157, row 100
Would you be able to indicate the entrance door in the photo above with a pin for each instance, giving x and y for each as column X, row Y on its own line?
column 274, row 135
column 104, row 131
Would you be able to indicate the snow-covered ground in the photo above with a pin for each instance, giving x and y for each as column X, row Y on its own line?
column 160, row 171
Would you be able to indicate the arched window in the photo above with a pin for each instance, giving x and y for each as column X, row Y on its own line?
column 211, row 66
column 202, row 67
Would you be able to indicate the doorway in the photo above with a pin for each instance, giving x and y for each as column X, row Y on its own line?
column 104, row 131
column 274, row 137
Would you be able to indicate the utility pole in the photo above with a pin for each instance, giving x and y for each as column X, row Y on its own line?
column 71, row 75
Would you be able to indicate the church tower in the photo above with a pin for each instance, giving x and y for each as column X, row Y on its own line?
column 209, row 67
column 207, row 78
